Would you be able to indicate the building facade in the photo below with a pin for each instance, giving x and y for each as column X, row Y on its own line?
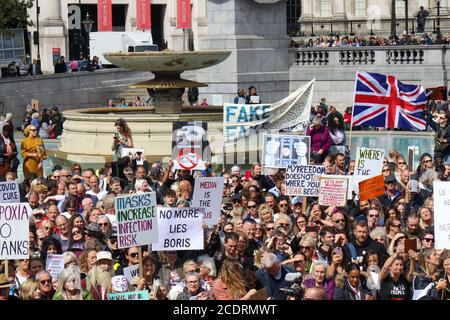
column 320, row 17
column 61, row 32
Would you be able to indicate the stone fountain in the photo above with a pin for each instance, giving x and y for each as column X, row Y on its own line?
column 87, row 135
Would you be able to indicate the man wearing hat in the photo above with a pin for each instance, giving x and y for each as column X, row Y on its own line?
column 98, row 280
column 391, row 194
column 5, row 286
column 93, row 231
column 235, row 170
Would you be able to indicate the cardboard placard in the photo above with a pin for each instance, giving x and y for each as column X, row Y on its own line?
column 55, row 264
column 371, row 188
column 9, row 192
column 333, row 191
column 369, row 162
column 131, row 295
column 303, row 180
column 280, row 151
column 137, row 222
column 14, row 234
column 208, row 195
column 179, row 229
column 441, row 196
column 131, row 272
column 35, row 104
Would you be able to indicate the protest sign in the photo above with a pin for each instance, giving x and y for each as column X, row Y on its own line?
column 55, row 264
column 131, row 295
column 279, row 151
column 134, row 154
column 369, row 162
column 9, row 192
column 14, row 236
column 136, row 220
column 371, row 188
column 208, row 195
column 35, row 104
column 303, row 180
column 179, row 229
column 441, row 191
column 190, row 147
column 131, row 272
column 333, row 191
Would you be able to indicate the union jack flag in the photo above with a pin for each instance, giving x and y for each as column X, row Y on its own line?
column 383, row 101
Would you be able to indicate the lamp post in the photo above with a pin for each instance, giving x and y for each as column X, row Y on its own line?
column 438, row 7
column 80, row 40
column 87, row 24
column 406, row 17
column 393, row 19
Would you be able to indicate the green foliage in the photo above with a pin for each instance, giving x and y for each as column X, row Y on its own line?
column 13, row 13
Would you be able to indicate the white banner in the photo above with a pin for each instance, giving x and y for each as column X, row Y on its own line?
column 179, row 229
column 14, row 235
column 441, row 190
column 280, row 151
column 208, row 195
column 9, row 192
column 136, row 220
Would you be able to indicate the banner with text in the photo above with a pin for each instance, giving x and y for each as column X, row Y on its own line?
column 184, row 14
column 208, row 195
column 143, row 15
column 190, row 147
column 55, row 264
column 104, row 15
column 333, row 191
column 131, row 295
column 179, row 229
column 371, row 188
column 137, row 223
column 14, row 236
column 131, row 272
column 9, row 192
column 280, row 151
column 369, row 162
column 441, row 190
column 303, row 180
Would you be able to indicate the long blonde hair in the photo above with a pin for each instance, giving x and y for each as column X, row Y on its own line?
column 28, row 289
column 232, row 275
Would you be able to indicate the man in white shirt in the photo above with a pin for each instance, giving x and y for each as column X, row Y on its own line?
column 95, row 188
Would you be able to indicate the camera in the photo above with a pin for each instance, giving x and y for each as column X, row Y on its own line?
column 295, row 290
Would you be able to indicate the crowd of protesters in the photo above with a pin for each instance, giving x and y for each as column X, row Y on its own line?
column 292, row 246
column 333, row 41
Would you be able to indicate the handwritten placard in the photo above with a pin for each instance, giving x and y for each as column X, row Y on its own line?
column 371, row 188
column 303, row 180
column 333, row 192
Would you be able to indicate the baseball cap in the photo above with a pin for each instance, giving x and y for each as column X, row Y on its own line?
column 235, row 168
column 390, row 178
column 297, row 200
column 104, row 255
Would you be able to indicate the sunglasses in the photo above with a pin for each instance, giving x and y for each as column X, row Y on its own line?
column 33, row 130
column 428, row 239
column 252, row 207
column 386, row 170
column 195, row 270
column 401, row 162
column 134, row 254
column 103, row 224
column 283, row 224
column 340, row 221
column 270, row 229
column 46, row 281
column 429, row 160
column 283, row 205
column 236, row 201
column 76, row 232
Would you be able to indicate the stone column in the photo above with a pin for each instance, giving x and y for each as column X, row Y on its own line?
column 255, row 33
column 53, row 33
column 339, row 9
column 307, row 10
column 131, row 21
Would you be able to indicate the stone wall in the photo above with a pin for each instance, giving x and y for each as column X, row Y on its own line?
column 67, row 91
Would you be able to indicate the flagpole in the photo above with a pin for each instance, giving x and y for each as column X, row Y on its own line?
column 351, row 120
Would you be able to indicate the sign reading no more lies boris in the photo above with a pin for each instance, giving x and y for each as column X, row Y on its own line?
column 136, row 220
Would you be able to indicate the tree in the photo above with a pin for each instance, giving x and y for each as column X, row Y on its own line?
column 14, row 14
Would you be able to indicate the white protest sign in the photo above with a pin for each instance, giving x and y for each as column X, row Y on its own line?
column 279, row 151
column 333, row 191
column 131, row 272
column 55, row 264
column 208, row 195
column 369, row 162
column 303, row 180
column 179, row 229
column 134, row 154
column 441, row 190
column 9, row 192
column 136, row 220
column 14, row 236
